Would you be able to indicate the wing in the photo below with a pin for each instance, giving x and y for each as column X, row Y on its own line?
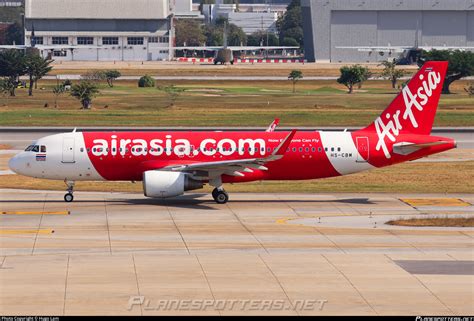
column 199, row 48
column 12, row 47
column 233, row 48
column 378, row 48
column 233, row 167
column 65, row 47
column 253, row 48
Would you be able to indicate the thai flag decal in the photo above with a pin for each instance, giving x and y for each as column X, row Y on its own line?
column 40, row 157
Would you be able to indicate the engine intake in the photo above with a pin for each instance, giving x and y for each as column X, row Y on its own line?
column 163, row 184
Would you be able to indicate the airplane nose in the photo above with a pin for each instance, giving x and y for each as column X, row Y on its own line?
column 13, row 163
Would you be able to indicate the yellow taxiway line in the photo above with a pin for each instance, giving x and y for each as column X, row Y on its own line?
column 11, row 232
column 417, row 202
column 35, row 213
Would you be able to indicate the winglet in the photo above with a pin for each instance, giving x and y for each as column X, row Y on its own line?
column 273, row 125
column 281, row 149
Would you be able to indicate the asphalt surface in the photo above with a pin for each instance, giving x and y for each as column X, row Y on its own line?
column 105, row 251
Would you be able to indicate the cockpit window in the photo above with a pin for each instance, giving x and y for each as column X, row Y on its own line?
column 36, row 148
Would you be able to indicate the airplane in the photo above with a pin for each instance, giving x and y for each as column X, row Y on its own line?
column 405, row 54
column 225, row 54
column 171, row 162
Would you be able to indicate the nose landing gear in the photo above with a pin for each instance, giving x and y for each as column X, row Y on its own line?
column 68, row 197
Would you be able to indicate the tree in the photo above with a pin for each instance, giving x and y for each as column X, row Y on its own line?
column 189, row 33
column 94, row 76
column 461, row 64
column 14, row 34
column 391, row 73
column 12, row 66
column 290, row 25
column 215, row 33
column 36, row 68
column 214, row 36
column 260, row 37
column 85, row 91
column 353, row 75
column 5, row 88
column 57, row 91
column 146, row 81
column 111, row 75
column 236, row 35
column 172, row 92
column 294, row 76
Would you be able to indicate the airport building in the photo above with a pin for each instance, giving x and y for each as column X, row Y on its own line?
column 339, row 23
column 109, row 30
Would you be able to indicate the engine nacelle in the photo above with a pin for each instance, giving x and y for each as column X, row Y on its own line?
column 163, row 184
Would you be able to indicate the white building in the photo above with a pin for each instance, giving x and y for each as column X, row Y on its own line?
column 128, row 30
column 250, row 17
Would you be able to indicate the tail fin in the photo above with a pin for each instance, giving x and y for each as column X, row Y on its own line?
column 414, row 109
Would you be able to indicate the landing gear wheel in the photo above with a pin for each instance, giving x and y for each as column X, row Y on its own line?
column 221, row 197
column 214, row 193
column 68, row 197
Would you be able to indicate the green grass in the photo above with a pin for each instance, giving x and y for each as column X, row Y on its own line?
column 223, row 103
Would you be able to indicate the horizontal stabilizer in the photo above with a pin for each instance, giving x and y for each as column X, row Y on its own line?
column 406, row 148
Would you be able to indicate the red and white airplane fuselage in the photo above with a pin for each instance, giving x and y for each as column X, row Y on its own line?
column 170, row 163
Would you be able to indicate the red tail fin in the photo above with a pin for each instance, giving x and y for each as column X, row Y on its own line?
column 414, row 109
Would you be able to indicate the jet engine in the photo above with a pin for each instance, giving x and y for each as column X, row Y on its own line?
column 163, row 184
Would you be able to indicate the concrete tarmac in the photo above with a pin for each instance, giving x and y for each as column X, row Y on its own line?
column 292, row 254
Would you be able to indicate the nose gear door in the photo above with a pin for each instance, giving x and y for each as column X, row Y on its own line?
column 68, row 150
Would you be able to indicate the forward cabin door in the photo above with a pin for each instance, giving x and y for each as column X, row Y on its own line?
column 363, row 149
column 68, row 150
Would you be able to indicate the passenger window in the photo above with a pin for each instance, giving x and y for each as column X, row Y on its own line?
column 82, row 149
column 332, row 149
column 339, row 149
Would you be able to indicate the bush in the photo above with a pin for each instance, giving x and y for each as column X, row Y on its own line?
column 146, row 81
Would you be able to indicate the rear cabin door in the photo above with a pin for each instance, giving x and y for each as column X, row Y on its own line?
column 68, row 150
column 363, row 149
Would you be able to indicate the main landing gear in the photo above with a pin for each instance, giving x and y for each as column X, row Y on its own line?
column 68, row 197
column 220, row 196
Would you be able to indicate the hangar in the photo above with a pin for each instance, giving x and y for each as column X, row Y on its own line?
column 336, row 23
column 107, row 29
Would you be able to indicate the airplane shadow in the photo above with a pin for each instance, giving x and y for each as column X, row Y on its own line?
column 193, row 201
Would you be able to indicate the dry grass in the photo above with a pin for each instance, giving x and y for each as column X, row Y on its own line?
column 435, row 221
column 440, row 177
column 206, row 69
column 224, row 103
column 5, row 146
